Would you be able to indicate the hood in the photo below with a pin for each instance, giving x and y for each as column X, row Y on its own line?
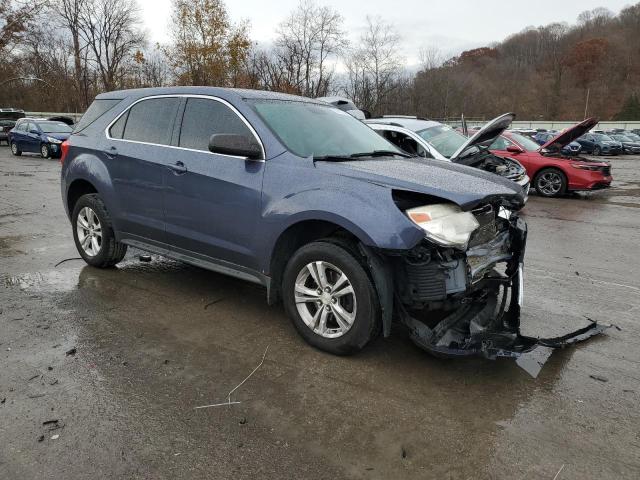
column 569, row 135
column 486, row 135
column 464, row 186
column 59, row 136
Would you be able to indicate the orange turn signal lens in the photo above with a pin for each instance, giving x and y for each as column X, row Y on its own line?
column 420, row 217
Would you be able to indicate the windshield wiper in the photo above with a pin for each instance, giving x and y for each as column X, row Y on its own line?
column 380, row 153
column 346, row 158
column 333, row 158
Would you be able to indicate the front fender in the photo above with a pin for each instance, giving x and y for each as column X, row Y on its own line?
column 369, row 213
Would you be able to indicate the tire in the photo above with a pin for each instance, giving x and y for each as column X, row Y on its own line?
column 596, row 151
column 45, row 152
column 361, row 305
column 550, row 182
column 109, row 252
column 15, row 149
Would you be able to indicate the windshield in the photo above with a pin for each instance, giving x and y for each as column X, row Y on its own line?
column 444, row 139
column 54, row 127
column 600, row 137
column 621, row 138
column 633, row 137
column 525, row 142
column 308, row 129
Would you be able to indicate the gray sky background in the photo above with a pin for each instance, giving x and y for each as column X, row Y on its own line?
column 451, row 25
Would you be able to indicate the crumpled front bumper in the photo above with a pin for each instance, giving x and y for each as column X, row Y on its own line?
column 488, row 324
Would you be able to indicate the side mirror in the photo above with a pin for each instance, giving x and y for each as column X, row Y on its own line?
column 234, row 144
column 514, row 149
column 35, row 132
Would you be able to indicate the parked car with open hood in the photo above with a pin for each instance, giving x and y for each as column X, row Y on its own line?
column 599, row 144
column 38, row 136
column 629, row 145
column 572, row 148
column 429, row 139
column 301, row 197
column 552, row 172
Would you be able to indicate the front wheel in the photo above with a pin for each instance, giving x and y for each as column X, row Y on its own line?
column 44, row 151
column 93, row 233
column 550, row 182
column 330, row 298
column 15, row 150
column 597, row 152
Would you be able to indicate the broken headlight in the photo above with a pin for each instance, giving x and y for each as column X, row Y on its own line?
column 445, row 224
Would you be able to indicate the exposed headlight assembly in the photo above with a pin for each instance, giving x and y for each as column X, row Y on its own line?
column 445, row 224
column 53, row 140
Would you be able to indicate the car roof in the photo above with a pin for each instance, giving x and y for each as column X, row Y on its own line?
column 410, row 123
column 230, row 94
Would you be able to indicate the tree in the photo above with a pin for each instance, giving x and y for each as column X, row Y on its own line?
column 630, row 110
column 207, row 49
column 16, row 16
column 110, row 29
column 374, row 65
column 307, row 40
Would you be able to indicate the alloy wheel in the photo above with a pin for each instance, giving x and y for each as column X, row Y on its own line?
column 550, row 183
column 14, row 148
column 325, row 299
column 89, row 231
column 44, row 151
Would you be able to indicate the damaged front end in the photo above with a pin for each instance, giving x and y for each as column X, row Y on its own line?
column 459, row 302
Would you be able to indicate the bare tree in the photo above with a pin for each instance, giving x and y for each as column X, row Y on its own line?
column 374, row 65
column 307, row 40
column 110, row 29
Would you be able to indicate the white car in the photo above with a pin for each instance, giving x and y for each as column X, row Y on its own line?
column 429, row 139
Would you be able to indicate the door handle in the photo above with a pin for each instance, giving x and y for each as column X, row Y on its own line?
column 111, row 152
column 178, row 168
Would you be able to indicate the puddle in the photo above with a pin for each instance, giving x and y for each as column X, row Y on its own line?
column 51, row 281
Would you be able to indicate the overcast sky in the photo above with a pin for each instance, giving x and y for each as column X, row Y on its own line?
column 451, row 25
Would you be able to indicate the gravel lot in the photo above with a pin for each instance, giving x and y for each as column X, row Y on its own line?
column 154, row 340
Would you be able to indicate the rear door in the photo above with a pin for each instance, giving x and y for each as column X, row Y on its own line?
column 137, row 155
column 212, row 201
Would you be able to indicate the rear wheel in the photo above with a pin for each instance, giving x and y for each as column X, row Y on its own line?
column 93, row 233
column 330, row 298
column 15, row 150
column 44, row 151
column 550, row 182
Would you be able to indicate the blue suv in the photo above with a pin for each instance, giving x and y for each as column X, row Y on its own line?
column 296, row 195
column 38, row 136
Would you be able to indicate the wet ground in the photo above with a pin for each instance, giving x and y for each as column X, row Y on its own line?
column 154, row 340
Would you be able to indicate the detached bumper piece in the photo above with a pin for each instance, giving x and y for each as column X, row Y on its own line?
column 487, row 323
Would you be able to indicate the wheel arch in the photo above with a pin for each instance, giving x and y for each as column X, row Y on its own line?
column 77, row 189
column 296, row 235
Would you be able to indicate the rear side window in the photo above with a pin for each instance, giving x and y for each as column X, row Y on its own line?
column 95, row 111
column 202, row 118
column 151, row 121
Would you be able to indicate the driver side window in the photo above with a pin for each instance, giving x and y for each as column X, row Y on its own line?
column 405, row 143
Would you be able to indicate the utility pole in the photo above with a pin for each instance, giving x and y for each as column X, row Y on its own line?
column 586, row 105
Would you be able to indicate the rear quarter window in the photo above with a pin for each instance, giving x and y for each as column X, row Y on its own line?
column 98, row 108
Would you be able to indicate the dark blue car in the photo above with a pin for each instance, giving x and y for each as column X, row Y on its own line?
column 298, row 196
column 571, row 149
column 38, row 136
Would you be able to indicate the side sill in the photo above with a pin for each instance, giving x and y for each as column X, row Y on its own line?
column 215, row 265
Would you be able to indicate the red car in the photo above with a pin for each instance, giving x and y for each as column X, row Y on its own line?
column 553, row 173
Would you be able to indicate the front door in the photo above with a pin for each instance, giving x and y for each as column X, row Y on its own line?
column 212, row 201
